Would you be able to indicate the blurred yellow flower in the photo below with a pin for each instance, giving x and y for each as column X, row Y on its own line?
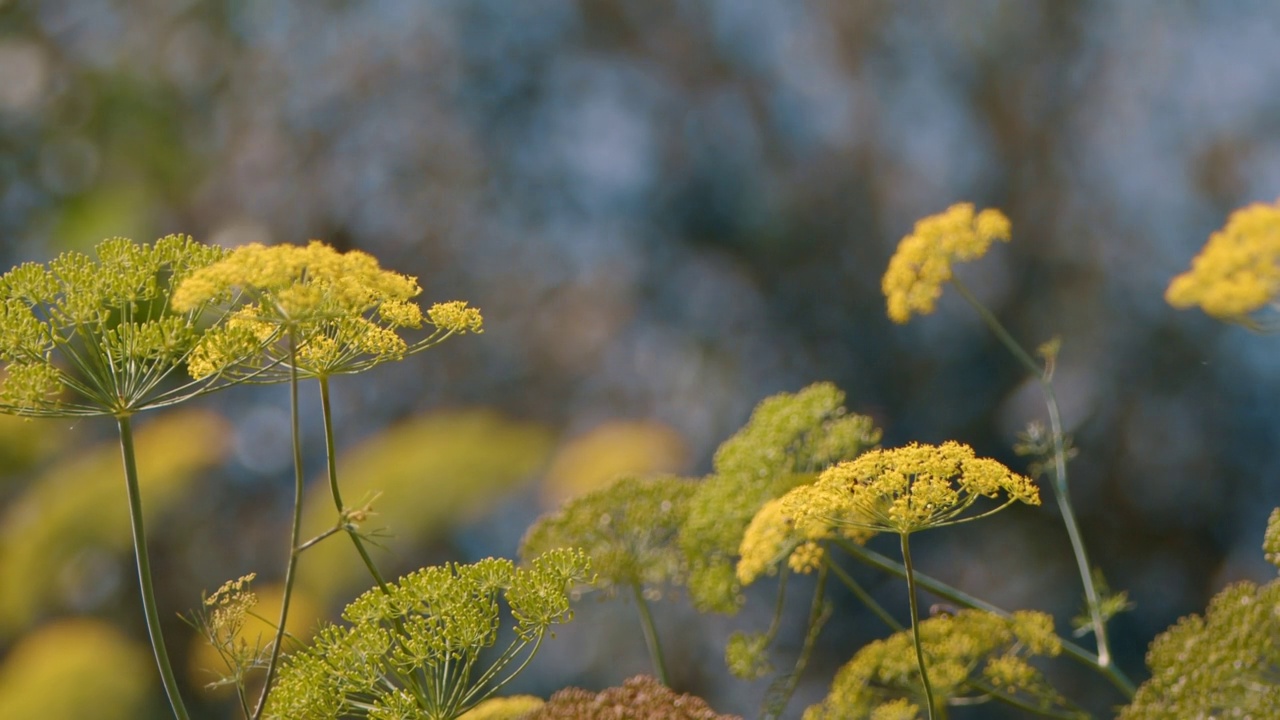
column 609, row 451
column 75, row 669
column 913, row 282
column 503, row 708
column 1238, row 271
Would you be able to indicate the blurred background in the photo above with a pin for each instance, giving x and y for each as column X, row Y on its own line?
column 667, row 210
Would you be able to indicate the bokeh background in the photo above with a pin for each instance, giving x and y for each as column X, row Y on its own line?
column 667, row 210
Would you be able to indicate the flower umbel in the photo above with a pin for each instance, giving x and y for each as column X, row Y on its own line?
column 344, row 311
column 910, row 488
column 1238, row 271
column 98, row 335
column 913, row 282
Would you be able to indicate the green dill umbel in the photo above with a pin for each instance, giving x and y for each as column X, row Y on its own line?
column 413, row 648
column 99, row 335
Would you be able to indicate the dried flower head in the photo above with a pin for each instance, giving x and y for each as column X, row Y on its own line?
column 341, row 312
column 639, row 698
column 970, row 654
column 911, row 488
column 1238, row 271
column 787, row 441
column 98, row 335
column 913, row 281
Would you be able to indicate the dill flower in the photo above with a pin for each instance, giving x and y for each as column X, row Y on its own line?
column 913, row 281
column 343, row 312
column 907, row 489
column 628, row 529
column 1238, row 270
column 971, row 654
column 776, row 535
column 414, row 648
column 98, row 335
column 1221, row 664
column 789, row 438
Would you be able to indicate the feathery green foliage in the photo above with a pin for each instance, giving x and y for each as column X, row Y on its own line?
column 627, row 528
column 414, row 649
column 970, row 654
column 98, row 335
column 787, row 441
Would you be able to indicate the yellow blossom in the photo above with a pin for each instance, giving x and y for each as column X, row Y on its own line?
column 909, row 488
column 1238, row 271
column 913, row 281
column 776, row 535
column 341, row 312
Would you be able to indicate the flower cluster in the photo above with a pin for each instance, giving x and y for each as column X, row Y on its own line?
column 913, row 281
column 776, row 535
column 906, row 489
column 1238, row 271
column 412, row 650
column 1223, row 664
column 788, row 440
column 324, row 311
column 99, row 329
column 628, row 529
column 970, row 654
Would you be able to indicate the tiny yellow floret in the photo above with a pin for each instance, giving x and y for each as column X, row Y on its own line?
column 913, row 281
column 1238, row 271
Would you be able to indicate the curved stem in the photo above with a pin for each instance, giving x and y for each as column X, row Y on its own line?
column 1112, row 673
column 915, row 624
column 1061, row 491
column 651, row 635
column 295, row 530
column 326, row 413
column 149, row 607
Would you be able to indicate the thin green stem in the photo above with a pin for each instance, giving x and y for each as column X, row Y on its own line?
column 915, row 625
column 941, row 589
column 862, row 595
column 295, row 530
column 651, row 635
column 326, row 412
column 779, row 695
column 149, row 607
column 1060, row 485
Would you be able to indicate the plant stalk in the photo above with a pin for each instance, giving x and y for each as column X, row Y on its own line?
column 915, row 624
column 1112, row 673
column 651, row 635
column 1061, row 490
column 326, row 412
column 149, row 607
column 295, row 531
